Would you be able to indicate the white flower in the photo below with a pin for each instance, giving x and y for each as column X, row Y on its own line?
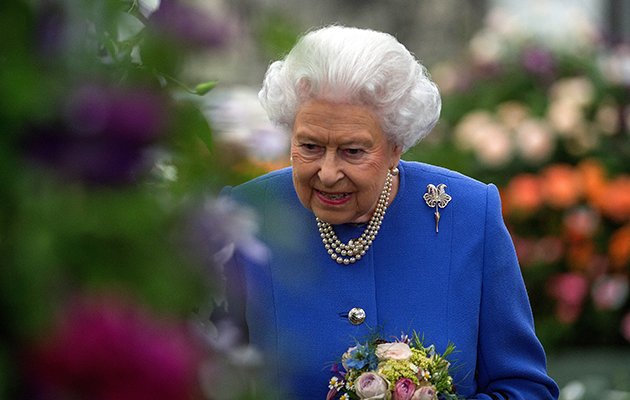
column 470, row 130
column 495, row 146
column 578, row 90
column 334, row 383
column 486, row 47
column 393, row 351
column 535, row 141
column 241, row 121
column 566, row 116
column 414, row 368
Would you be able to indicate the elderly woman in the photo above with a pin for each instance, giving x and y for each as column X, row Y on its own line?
column 442, row 264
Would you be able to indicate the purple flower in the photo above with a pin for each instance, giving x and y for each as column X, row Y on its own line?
column 332, row 393
column 135, row 116
column 220, row 227
column 51, row 25
column 189, row 25
column 105, row 348
column 404, row 389
column 103, row 136
column 213, row 232
column 335, row 370
column 538, row 61
column 94, row 160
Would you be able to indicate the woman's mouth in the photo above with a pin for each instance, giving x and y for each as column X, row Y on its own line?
column 333, row 198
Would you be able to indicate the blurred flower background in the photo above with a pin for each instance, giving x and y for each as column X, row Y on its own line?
column 111, row 237
column 120, row 121
column 549, row 124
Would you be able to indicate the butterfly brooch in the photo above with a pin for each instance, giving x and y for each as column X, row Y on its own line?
column 436, row 197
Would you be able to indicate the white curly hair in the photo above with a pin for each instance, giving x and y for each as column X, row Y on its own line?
column 358, row 67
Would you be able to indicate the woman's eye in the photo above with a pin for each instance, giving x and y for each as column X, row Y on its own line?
column 311, row 148
column 353, row 152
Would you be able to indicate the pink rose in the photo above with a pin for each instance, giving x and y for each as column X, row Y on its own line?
column 393, row 351
column 107, row 348
column 425, row 393
column 404, row 389
column 371, row 386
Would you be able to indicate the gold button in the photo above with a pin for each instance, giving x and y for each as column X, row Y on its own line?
column 356, row 316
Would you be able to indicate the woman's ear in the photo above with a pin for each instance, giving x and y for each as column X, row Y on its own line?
column 396, row 154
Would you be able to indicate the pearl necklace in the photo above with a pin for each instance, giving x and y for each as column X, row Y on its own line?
column 356, row 248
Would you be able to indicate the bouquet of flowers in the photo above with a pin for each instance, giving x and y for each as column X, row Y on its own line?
column 402, row 369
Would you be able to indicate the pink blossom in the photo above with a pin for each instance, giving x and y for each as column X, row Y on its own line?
column 424, row 393
column 570, row 289
column 107, row 349
column 404, row 389
column 393, row 351
column 610, row 292
column 371, row 386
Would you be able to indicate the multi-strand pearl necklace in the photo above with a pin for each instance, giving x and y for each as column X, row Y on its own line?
column 356, row 248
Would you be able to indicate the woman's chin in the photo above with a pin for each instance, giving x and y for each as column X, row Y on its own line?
column 339, row 217
column 333, row 218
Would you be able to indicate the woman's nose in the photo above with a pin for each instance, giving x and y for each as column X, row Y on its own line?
column 330, row 170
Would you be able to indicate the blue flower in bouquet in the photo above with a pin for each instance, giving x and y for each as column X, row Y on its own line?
column 356, row 357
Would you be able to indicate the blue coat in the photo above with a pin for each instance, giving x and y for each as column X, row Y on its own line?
column 461, row 285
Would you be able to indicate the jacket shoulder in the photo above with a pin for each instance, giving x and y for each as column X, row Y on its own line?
column 416, row 172
column 277, row 183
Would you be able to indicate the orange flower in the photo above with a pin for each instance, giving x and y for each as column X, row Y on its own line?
column 615, row 202
column 523, row 193
column 619, row 248
column 593, row 176
column 561, row 185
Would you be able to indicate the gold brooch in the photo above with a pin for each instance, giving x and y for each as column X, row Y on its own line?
column 436, row 197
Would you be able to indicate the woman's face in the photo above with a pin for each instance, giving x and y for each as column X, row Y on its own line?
column 340, row 161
